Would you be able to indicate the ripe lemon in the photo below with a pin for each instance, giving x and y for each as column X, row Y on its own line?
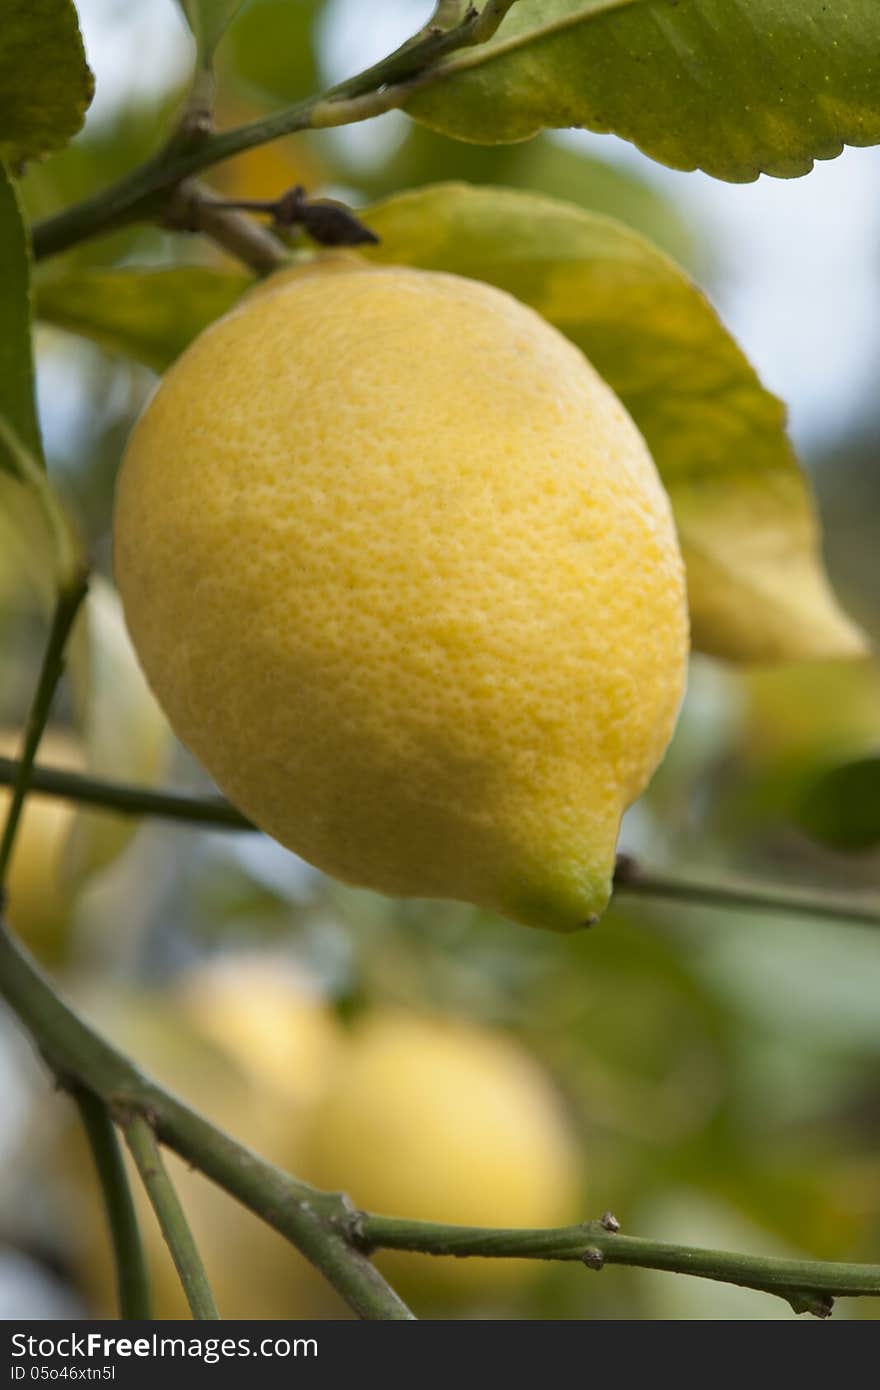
column 400, row 569
column 450, row 1122
column 39, row 903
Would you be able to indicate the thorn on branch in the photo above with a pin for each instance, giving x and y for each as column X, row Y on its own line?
column 593, row 1257
column 610, row 1222
column 821, row 1305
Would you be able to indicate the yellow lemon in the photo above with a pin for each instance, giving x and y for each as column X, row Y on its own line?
column 269, row 1020
column 208, row 1041
column 39, row 902
column 401, row 571
column 450, row 1122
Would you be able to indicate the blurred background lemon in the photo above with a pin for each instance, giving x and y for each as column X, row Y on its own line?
column 445, row 1121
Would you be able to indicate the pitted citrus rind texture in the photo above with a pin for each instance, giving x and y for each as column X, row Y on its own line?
column 401, row 571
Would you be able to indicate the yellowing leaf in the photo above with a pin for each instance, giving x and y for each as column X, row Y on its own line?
column 150, row 315
column 757, row 585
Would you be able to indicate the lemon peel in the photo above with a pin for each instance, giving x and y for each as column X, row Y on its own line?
column 401, row 571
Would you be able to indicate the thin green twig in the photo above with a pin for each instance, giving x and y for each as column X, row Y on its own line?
column 66, row 609
column 193, row 208
column 490, row 19
column 734, row 894
column 631, row 878
column 171, row 1217
column 211, row 812
column 807, row 1284
column 143, row 192
column 132, row 1282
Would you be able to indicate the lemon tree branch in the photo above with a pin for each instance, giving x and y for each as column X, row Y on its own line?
column 212, row 812
column 809, row 1285
column 131, row 1270
column 67, row 606
column 170, row 1215
column 192, row 208
column 316, row 1222
column 631, row 878
column 143, row 193
column 324, row 1226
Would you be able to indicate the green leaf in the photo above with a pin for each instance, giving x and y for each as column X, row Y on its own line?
column 734, row 89
column 756, row 583
column 45, row 82
column 31, row 523
column 150, row 315
column 126, row 735
column 842, row 807
column 271, row 50
column 104, row 152
column 208, row 20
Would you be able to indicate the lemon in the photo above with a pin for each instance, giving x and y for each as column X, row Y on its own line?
column 40, row 903
column 270, row 1021
column 446, row 1121
column 401, row 571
